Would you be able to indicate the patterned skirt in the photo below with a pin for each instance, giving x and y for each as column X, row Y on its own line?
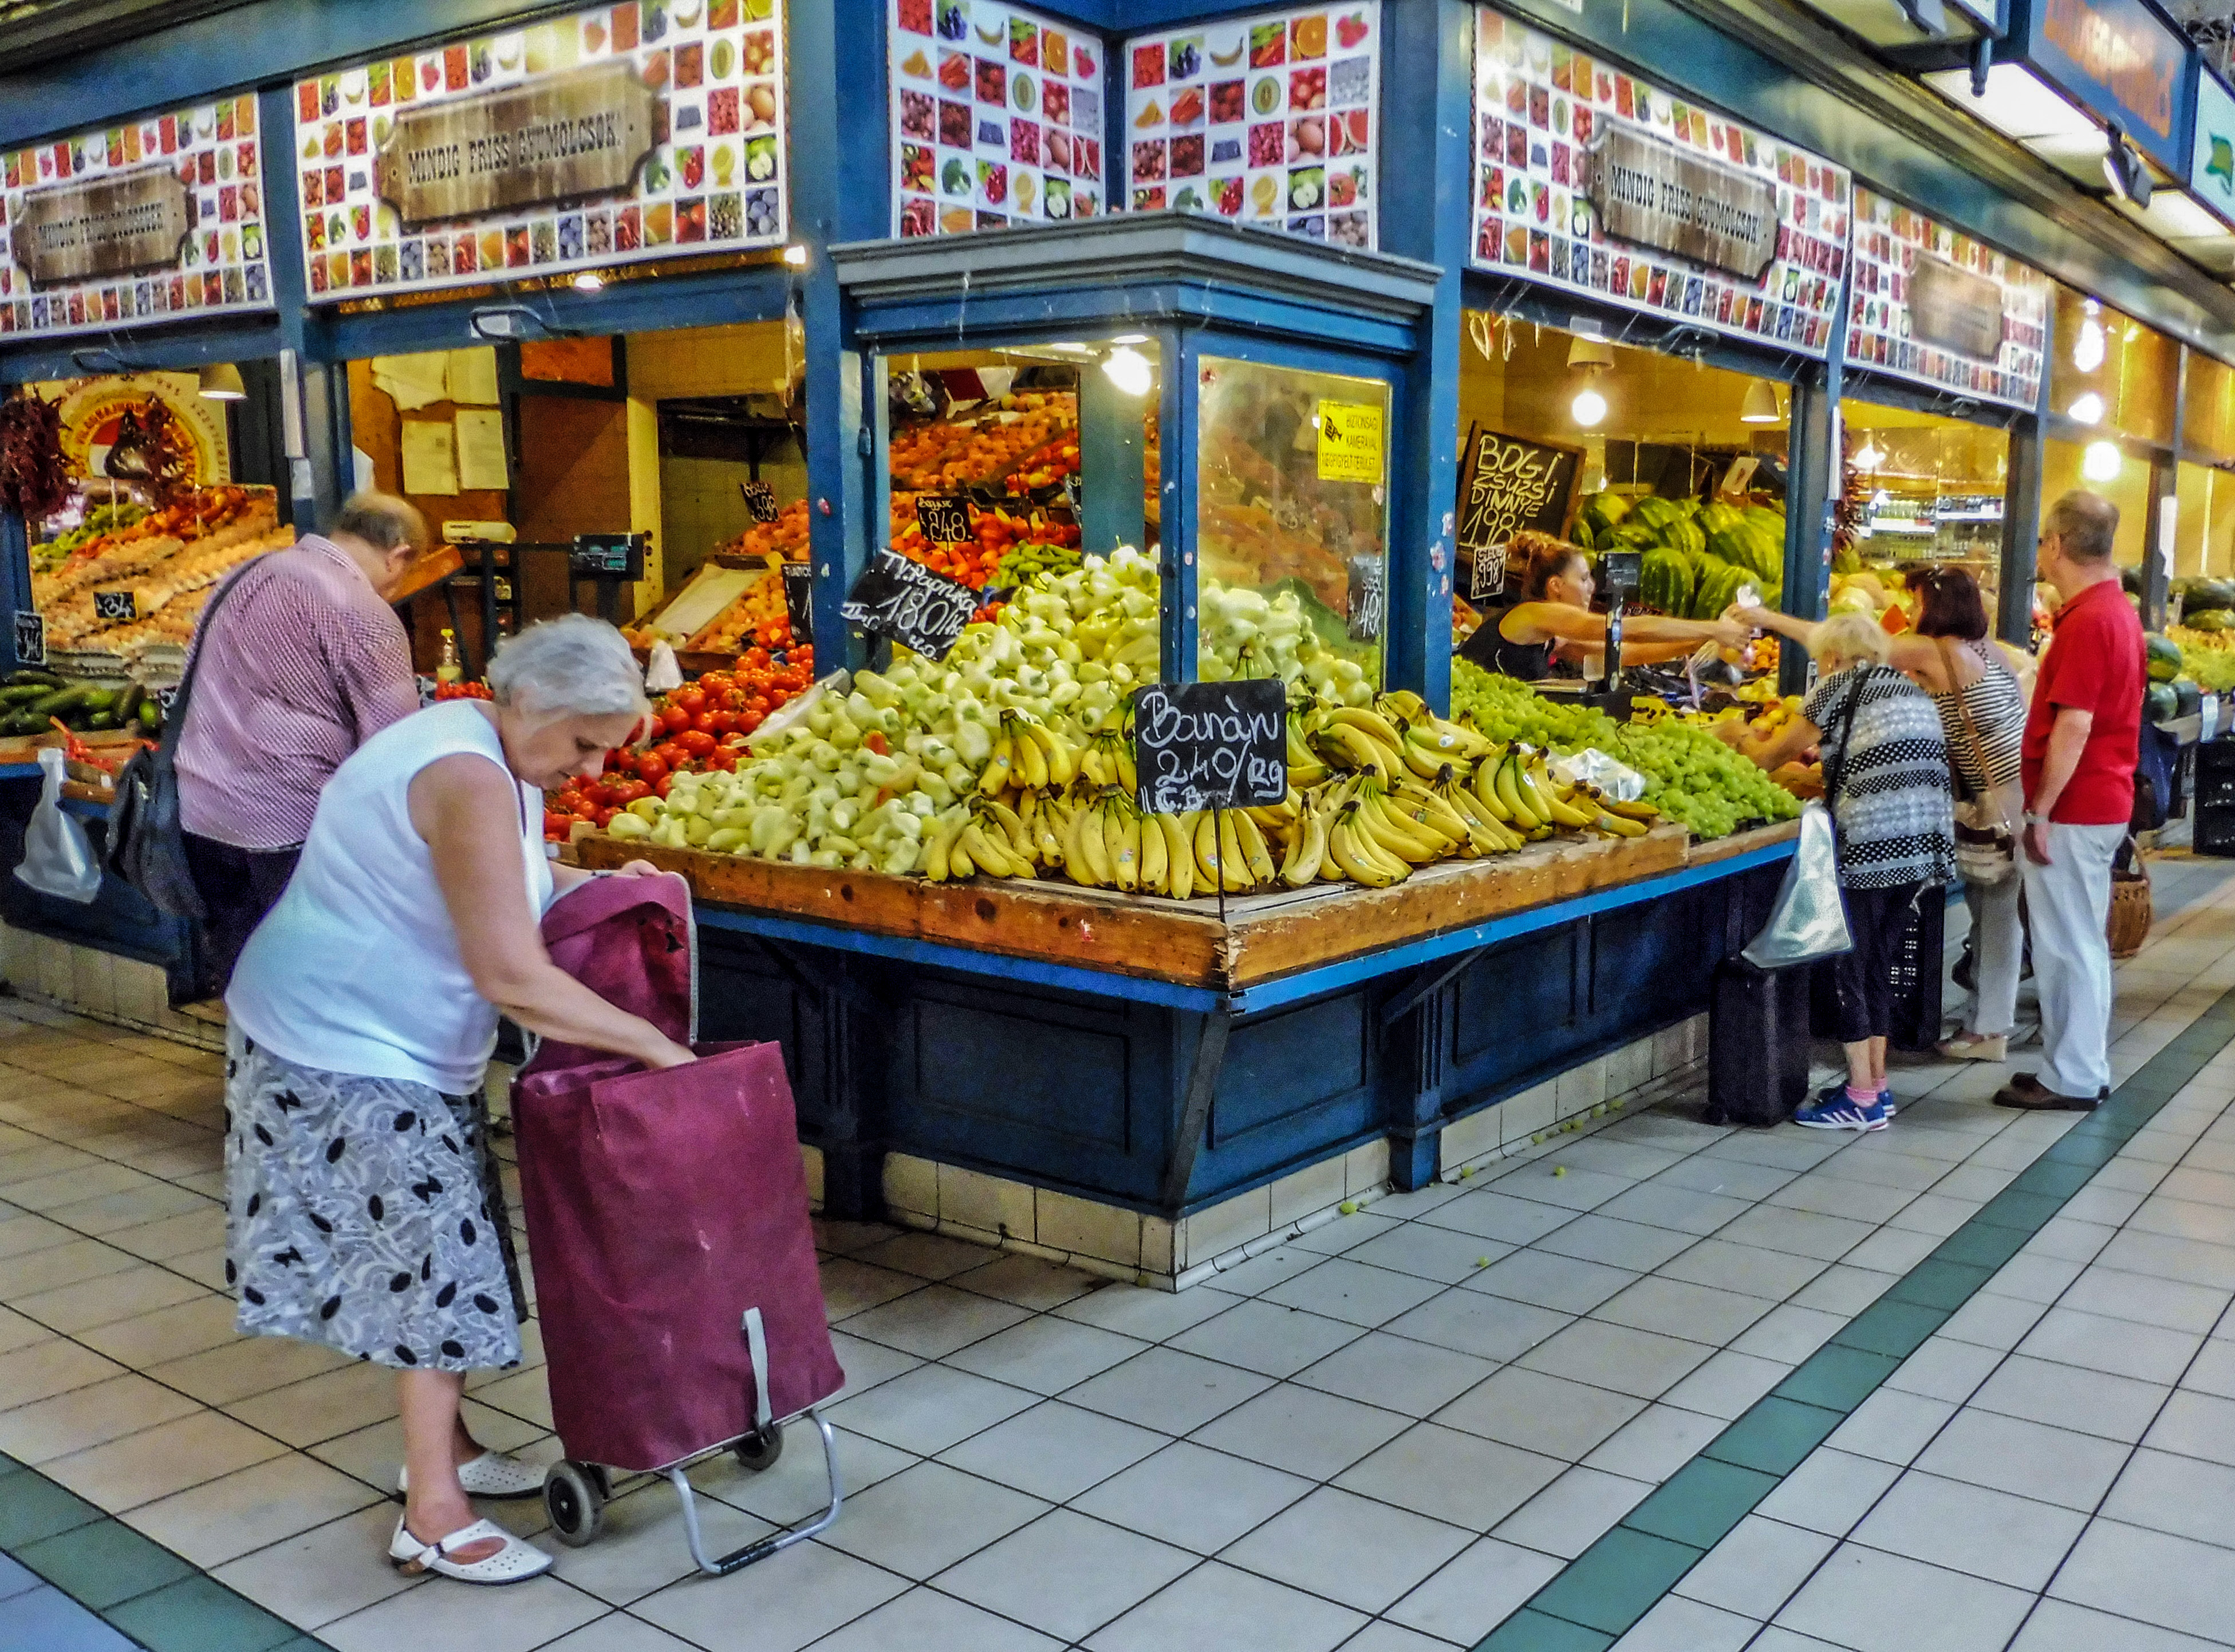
column 365, row 1214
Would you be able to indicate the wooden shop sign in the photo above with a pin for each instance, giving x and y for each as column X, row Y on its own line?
column 582, row 133
column 1955, row 309
column 133, row 220
column 1656, row 194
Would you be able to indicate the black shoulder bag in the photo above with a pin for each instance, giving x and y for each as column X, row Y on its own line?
column 147, row 844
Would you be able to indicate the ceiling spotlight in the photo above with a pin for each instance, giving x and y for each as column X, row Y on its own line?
column 1130, row 338
column 1761, row 405
column 1869, row 458
column 589, row 281
column 1129, row 370
column 794, row 255
column 1591, row 352
column 220, row 382
column 2102, row 462
column 1589, row 407
column 2124, row 170
column 2087, row 408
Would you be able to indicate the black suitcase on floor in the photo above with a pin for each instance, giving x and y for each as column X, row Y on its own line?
column 1757, row 1044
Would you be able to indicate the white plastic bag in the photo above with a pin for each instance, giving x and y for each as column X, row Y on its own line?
column 57, row 858
column 661, row 671
column 1617, row 779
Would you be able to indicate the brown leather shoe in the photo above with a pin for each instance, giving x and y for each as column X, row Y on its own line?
column 2026, row 1091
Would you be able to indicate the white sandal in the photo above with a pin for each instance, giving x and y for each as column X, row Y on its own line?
column 515, row 1563
column 492, row 1474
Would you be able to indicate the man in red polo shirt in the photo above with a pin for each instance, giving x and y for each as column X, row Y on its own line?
column 2080, row 754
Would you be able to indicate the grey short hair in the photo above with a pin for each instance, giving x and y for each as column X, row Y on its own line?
column 572, row 665
column 382, row 520
column 1850, row 640
column 2085, row 524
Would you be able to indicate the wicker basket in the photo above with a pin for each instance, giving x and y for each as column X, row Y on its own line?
column 2129, row 925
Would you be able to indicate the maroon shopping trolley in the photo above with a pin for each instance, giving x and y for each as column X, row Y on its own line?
column 667, row 1217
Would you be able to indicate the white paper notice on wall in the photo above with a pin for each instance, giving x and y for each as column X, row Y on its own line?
column 470, row 377
column 429, row 460
column 2168, row 515
column 412, row 382
column 481, row 450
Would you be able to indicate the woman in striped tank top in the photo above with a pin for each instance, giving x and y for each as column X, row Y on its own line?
column 1950, row 657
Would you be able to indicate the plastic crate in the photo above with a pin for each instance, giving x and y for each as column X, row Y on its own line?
column 2215, row 775
column 2214, row 830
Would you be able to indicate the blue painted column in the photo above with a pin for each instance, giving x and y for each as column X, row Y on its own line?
column 1428, row 104
column 1177, row 454
column 840, row 191
column 320, row 470
column 1814, row 472
column 1112, row 438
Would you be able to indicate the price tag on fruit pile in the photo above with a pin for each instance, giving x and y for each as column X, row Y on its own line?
column 945, row 519
column 30, row 637
column 115, row 605
column 760, row 501
column 915, row 607
column 799, row 599
column 1366, row 601
column 1350, row 441
column 1211, row 745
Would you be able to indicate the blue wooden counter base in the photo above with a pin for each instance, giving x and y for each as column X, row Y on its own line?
column 1168, row 1099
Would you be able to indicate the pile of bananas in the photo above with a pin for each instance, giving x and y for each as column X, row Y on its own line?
column 1373, row 793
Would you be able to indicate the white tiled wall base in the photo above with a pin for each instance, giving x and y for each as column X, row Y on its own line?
column 1120, row 1244
column 100, row 986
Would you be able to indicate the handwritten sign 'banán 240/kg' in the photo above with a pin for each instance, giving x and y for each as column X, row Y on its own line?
column 1211, row 745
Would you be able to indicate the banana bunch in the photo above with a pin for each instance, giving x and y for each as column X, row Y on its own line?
column 1028, row 754
column 1429, row 742
column 1357, row 738
column 1108, row 760
column 1357, row 854
column 982, row 836
column 1305, row 768
column 1227, row 843
column 1616, row 819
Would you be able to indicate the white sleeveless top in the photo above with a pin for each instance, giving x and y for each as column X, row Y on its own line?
column 357, row 969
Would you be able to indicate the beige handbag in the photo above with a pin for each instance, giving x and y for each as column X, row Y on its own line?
column 1986, row 840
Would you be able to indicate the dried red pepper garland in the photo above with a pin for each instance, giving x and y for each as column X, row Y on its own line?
column 33, row 479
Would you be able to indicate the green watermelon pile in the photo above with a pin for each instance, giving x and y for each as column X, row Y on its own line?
column 2207, row 605
column 1697, row 555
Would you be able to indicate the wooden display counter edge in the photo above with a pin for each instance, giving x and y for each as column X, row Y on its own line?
column 1264, row 936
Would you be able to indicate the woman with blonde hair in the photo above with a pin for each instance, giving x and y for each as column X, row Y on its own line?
column 1886, row 779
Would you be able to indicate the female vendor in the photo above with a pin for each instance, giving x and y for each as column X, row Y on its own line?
column 1553, row 620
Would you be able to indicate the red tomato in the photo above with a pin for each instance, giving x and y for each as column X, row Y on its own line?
column 725, row 759
column 697, row 742
column 628, row 791
column 704, row 721
column 666, row 780
column 669, row 753
column 674, row 718
column 721, row 722
column 556, row 825
column 689, row 698
column 605, row 818
column 748, row 721
column 653, row 770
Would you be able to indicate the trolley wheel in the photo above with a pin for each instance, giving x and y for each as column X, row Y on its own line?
column 575, row 1500
column 759, row 1451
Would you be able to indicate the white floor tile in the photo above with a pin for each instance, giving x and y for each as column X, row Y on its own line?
column 1234, row 1610
column 1353, row 1550
column 1197, row 1498
column 1475, row 1592
column 1879, row 1603
column 1756, row 1568
column 1972, row 1529
column 1066, row 1574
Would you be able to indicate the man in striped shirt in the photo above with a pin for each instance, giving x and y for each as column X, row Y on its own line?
column 303, row 662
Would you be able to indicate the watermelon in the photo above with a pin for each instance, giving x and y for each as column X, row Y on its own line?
column 1655, row 511
column 2205, row 595
column 2188, row 699
column 1581, row 533
column 2210, row 619
column 2163, row 658
column 2159, row 702
column 1668, row 581
column 1602, row 510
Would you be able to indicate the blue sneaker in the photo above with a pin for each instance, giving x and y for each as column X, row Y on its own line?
column 1833, row 1110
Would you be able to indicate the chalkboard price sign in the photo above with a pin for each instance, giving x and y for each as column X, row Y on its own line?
column 607, row 555
column 944, row 518
column 115, row 605
column 799, row 599
column 1506, row 484
column 906, row 601
column 760, row 501
column 30, row 637
column 1367, row 601
column 1211, row 745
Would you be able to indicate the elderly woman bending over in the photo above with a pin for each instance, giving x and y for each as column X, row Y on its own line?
column 364, row 1211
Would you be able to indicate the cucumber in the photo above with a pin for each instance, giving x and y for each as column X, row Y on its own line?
column 24, row 693
column 60, row 704
column 43, row 678
column 151, row 715
column 100, row 720
column 127, row 702
column 21, row 723
column 99, row 700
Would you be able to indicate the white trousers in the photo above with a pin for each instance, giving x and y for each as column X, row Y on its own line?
column 2067, row 902
column 1997, row 950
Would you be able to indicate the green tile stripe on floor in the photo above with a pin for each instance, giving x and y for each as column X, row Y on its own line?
column 135, row 1585
column 1601, row 1595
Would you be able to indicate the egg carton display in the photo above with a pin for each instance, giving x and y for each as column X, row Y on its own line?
column 996, row 117
column 1268, row 119
column 712, row 176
